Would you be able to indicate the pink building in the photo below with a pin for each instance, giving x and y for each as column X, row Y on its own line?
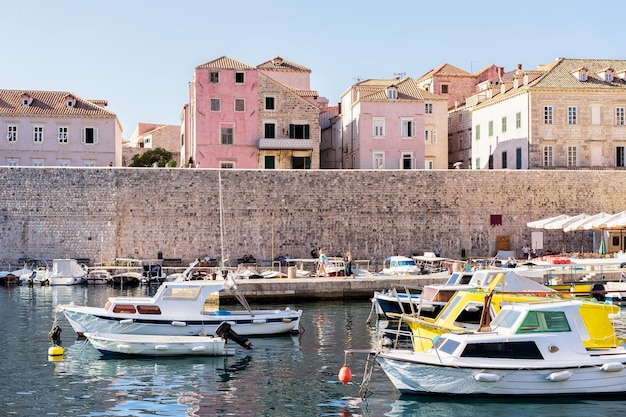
column 383, row 125
column 221, row 123
column 240, row 116
column 56, row 128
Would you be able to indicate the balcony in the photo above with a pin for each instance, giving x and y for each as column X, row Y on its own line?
column 285, row 143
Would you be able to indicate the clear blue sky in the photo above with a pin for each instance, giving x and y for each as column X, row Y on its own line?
column 140, row 54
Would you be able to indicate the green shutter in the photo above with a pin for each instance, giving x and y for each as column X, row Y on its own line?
column 306, row 131
column 292, row 131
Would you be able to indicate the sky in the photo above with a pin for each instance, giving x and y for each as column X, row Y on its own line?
column 139, row 55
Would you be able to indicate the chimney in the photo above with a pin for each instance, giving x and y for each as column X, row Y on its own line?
column 500, row 72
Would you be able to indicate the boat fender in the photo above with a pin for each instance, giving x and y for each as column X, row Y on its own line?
column 559, row 376
column 179, row 323
column 161, row 347
column 127, row 321
column 345, row 374
column 612, row 367
column 487, row 377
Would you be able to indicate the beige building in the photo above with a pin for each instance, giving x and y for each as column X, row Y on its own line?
column 151, row 136
column 567, row 114
column 57, row 128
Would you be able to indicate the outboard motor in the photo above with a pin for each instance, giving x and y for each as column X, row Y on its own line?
column 224, row 330
column 598, row 292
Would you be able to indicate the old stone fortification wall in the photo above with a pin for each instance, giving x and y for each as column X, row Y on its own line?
column 103, row 213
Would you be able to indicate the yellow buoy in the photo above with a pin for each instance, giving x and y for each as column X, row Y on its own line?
column 55, row 351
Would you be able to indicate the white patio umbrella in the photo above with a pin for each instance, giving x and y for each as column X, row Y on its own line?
column 616, row 221
column 539, row 224
column 582, row 222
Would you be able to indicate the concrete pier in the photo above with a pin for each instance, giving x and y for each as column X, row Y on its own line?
column 330, row 288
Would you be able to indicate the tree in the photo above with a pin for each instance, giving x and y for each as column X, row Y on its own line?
column 148, row 158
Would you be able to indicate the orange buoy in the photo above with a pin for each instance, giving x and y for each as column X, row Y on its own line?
column 345, row 375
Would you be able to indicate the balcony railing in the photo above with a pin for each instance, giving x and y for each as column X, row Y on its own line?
column 285, row 143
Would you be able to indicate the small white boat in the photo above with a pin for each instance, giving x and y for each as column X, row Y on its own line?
column 159, row 345
column 66, row 272
column 178, row 308
column 400, row 265
column 541, row 348
column 98, row 277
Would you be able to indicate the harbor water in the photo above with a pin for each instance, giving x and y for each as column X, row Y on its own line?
column 280, row 376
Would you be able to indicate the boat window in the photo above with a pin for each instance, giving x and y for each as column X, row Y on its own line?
column 124, row 308
column 148, row 309
column 451, row 305
column 470, row 314
column 181, row 293
column 505, row 319
column 446, row 345
column 504, row 350
column 544, row 321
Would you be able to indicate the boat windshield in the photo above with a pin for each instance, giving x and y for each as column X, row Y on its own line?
column 505, row 319
column 181, row 293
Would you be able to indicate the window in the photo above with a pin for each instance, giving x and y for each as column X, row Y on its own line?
column 619, row 157
column 619, row 116
column 301, row 162
column 392, row 93
column 227, row 135
column 428, row 108
column 37, row 162
column 490, row 162
column 147, row 140
column 270, row 162
column 12, row 133
column 503, row 124
column 571, row 116
column 13, row 162
column 214, row 77
column 408, row 128
column 378, row 160
column 64, row 162
column 460, row 117
column 240, row 104
column 270, row 130
column 477, row 129
column 379, row 128
column 227, row 165
column 477, row 163
column 239, row 77
column 548, row 156
column 62, row 135
column 547, row 115
column 216, row 104
column 406, row 162
column 572, row 156
column 490, row 128
column 504, row 162
column 518, row 158
column 429, row 164
column 518, row 120
column 444, row 89
column 269, row 103
column 89, row 135
column 298, row 131
column 544, row 321
column 38, row 134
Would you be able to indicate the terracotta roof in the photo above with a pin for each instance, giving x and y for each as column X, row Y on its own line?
column 559, row 74
column 225, row 62
column 302, row 93
column 280, row 64
column 49, row 103
column 407, row 90
column 446, row 70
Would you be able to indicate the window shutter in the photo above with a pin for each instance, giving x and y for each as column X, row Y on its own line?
column 306, row 131
column 292, row 131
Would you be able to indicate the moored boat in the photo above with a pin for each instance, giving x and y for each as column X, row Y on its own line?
column 539, row 348
column 178, row 308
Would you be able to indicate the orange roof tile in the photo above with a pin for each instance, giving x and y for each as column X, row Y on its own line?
column 49, row 103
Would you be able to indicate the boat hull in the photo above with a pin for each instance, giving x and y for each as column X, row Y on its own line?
column 418, row 378
column 151, row 345
column 260, row 323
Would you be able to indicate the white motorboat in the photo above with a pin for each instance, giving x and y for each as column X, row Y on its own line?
column 178, row 308
column 400, row 265
column 539, row 348
column 159, row 345
column 67, row 272
column 98, row 277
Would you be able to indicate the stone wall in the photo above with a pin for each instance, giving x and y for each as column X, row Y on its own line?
column 103, row 213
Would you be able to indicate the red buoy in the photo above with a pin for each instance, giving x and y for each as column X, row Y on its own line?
column 345, row 375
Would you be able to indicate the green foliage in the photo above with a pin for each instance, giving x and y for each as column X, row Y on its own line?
column 148, row 158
